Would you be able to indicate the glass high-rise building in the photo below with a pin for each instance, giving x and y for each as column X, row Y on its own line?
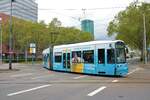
column 24, row 9
column 87, row 26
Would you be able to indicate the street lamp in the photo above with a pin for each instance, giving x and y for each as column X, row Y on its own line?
column 10, row 36
column 144, row 41
column 1, row 41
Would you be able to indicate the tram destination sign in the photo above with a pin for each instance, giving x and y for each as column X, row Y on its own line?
column 119, row 46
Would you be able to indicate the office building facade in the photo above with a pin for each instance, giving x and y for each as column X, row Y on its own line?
column 87, row 26
column 23, row 9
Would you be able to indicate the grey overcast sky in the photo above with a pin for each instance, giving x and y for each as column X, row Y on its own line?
column 70, row 11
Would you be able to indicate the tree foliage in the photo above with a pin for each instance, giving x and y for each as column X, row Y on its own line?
column 128, row 25
column 26, row 32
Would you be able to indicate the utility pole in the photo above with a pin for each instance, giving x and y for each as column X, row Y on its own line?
column 84, row 14
column 144, row 32
column 1, row 57
column 144, row 40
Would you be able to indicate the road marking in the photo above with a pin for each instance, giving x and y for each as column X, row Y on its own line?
column 23, row 91
column 133, row 71
column 115, row 81
column 96, row 91
column 21, row 75
column 41, row 76
column 78, row 77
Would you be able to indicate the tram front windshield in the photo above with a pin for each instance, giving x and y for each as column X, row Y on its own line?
column 120, row 53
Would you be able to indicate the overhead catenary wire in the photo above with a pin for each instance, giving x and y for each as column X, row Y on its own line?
column 69, row 9
column 85, row 8
column 51, row 10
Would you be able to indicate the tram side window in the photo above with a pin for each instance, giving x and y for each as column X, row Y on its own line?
column 58, row 57
column 76, row 57
column 88, row 56
column 101, row 56
column 110, row 56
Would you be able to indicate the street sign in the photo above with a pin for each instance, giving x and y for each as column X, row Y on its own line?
column 32, row 45
column 32, row 50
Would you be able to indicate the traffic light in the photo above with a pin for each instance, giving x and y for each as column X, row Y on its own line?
column 13, row 0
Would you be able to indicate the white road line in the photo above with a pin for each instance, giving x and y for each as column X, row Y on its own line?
column 96, row 91
column 78, row 77
column 21, row 75
column 133, row 71
column 23, row 91
column 40, row 76
column 115, row 81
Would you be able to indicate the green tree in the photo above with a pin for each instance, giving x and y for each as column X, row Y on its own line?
column 66, row 35
column 128, row 26
column 55, row 23
column 26, row 32
column 69, row 35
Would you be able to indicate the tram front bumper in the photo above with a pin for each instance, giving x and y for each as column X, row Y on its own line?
column 122, row 70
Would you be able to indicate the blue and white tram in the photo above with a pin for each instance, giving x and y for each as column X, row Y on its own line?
column 94, row 57
column 46, row 58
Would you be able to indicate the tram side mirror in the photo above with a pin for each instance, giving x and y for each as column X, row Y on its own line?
column 126, row 50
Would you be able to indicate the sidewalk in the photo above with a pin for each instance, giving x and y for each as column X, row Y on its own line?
column 5, row 67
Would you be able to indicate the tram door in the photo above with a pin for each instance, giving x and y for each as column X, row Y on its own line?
column 101, row 68
column 66, row 61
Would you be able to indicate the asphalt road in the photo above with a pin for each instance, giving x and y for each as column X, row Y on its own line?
column 32, row 82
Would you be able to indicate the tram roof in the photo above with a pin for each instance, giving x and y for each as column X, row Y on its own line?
column 87, row 43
